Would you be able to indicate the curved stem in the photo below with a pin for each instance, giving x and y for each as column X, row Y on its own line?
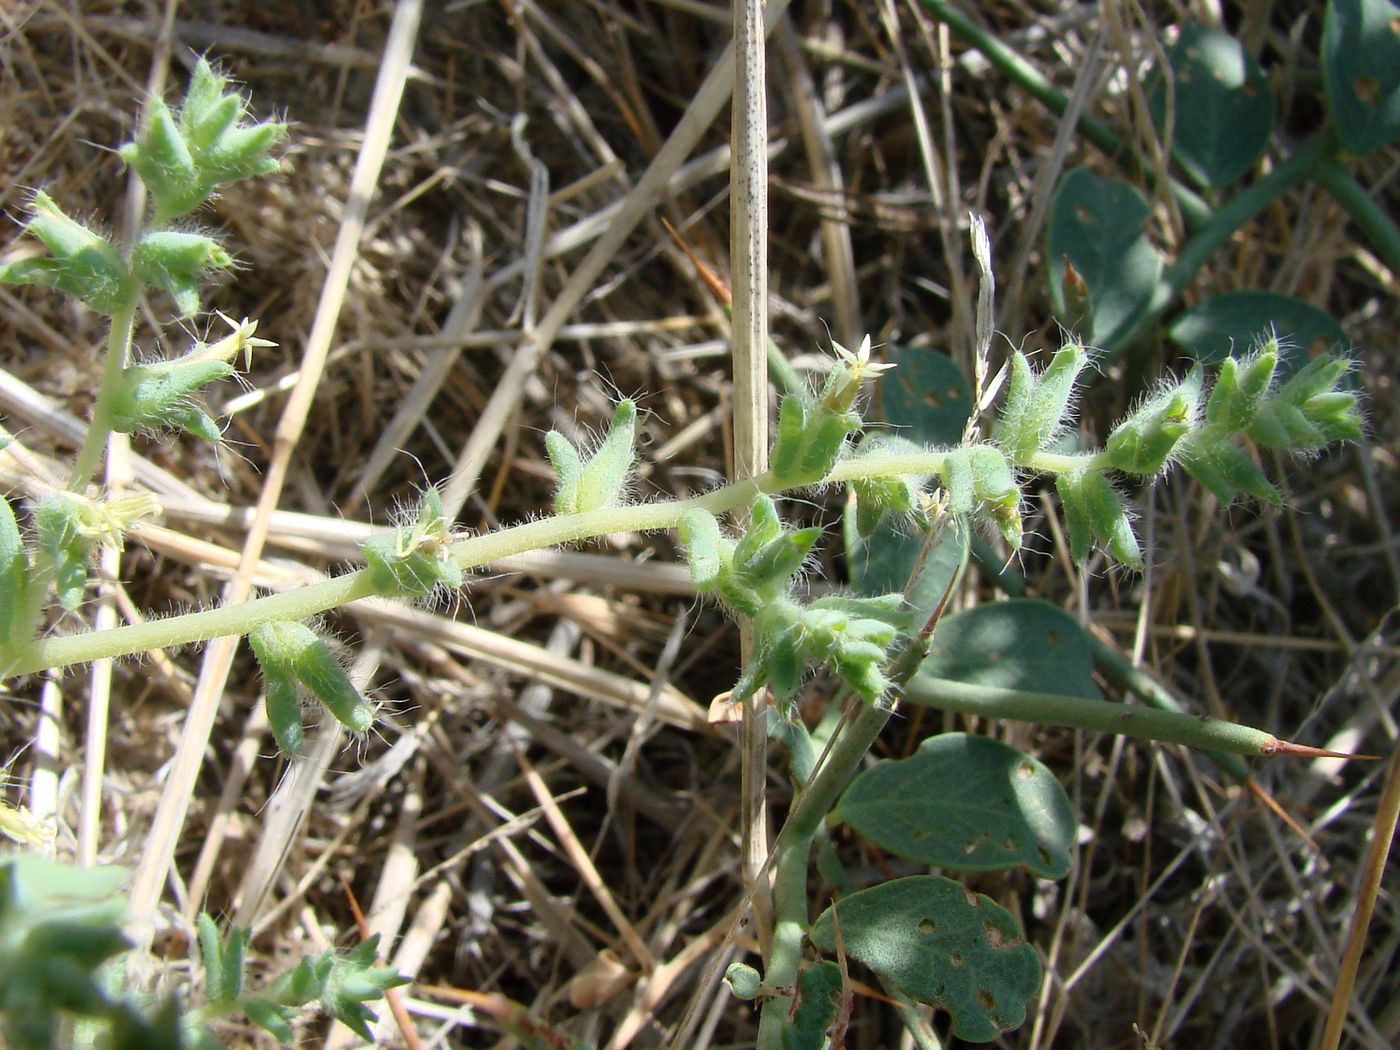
column 794, row 852
column 1029, row 79
column 470, row 553
column 1196, row 252
column 1375, row 222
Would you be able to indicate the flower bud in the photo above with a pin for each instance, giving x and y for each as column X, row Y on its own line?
column 1224, row 468
column 602, row 480
column 154, row 396
column 1240, row 387
column 174, row 261
column 1094, row 512
column 764, row 527
column 743, row 981
column 958, row 481
column 81, row 263
column 994, row 486
column 1036, row 404
column 1144, row 442
column 292, row 653
column 704, row 548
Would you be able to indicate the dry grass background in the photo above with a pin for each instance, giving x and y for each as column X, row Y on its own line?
column 542, row 803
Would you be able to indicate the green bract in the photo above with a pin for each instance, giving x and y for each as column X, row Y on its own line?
column 184, row 157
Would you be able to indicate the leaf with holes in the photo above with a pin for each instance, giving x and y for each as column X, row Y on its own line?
column 1361, row 71
column 1232, row 324
column 1099, row 226
column 942, row 945
column 1222, row 110
column 1022, row 643
column 926, row 396
column 965, row 803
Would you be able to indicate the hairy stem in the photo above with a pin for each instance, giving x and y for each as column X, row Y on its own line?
column 89, row 457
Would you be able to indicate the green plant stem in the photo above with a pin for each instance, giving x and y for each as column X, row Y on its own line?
column 1197, row 251
column 1029, row 79
column 794, row 851
column 1111, row 663
column 300, row 603
column 1375, row 222
column 1098, row 715
column 89, row 456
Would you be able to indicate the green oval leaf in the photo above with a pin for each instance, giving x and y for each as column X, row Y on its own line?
column 1022, row 643
column 927, row 396
column 1361, row 71
column 942, row 945
column 965, row 803
column 1232, row 324
column 1223, row 113
column 1099, row 225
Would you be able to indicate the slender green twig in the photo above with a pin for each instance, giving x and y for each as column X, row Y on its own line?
column 89, row 456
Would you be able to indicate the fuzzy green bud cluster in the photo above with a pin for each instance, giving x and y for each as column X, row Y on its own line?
column 159, row 395
column 1038, row 403
column 602, row 480
column 813, row 431
column 184, row 156
column 1304, row 414
column 339, row 983
column 417, row 558
column 754, row 576
column 293, row 657
column 181, row 158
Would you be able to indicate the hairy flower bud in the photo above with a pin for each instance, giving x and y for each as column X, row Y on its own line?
column 1144, row 442
column 82, row 263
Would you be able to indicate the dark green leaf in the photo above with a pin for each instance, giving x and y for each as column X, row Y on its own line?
column 1224, row 111
column 1099, row 224
column 1022, row 643
column 818, row 998
column 1361, row 71
column 942, row 945
column 926, row 397
column 1232, row 324
column 965, row 803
